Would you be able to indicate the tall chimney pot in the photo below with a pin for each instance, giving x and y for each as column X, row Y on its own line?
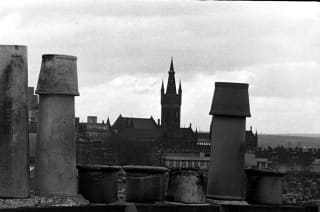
column 14, row 151
column 55, row 171
column 230, row 107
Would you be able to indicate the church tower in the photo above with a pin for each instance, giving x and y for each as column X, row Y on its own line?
column 171, row 102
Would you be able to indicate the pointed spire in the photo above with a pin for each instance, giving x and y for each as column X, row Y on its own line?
column 171, row 86
column 171, row 65
column 180, row 89
column 108, row 121
column 162, row 87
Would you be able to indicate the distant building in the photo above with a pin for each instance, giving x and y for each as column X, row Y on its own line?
column 164, row 137
column 290, row 159
column 251, row 161
column 175, row 138
column 315, row 166
column 251, row 140
column 94, row 142
column 94, row 130
column 186, row 160
column 143, row 141
column 134, row 123
column 171, row 102
column 95, row 151
column 204, row 141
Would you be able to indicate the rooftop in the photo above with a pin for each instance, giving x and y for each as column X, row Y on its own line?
column 167, row 207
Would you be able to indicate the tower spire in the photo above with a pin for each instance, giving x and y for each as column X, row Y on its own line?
column 162, row 87
column 171, row 86
column 171, row 65
column 171, row 102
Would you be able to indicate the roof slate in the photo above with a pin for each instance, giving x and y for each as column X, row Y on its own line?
column 136, row 123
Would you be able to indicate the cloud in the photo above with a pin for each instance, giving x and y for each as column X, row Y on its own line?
column 281, row 98
column 129, row 95
column 124, row 49
column 281, row 115
column 287, row 80
column 113, row 38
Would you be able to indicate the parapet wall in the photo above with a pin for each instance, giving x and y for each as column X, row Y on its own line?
column 162, row 207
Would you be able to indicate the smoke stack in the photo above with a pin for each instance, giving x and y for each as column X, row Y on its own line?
column 14, row 151
column 55, row 171
column 230, row 107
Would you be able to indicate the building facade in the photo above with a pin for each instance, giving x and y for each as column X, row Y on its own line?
column 94, row 130
column 185, row 160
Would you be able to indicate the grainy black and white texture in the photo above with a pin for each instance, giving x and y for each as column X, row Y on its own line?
column 124, row 48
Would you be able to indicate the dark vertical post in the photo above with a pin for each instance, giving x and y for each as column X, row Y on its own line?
column 55, row 171
column 14, row 147
column 230, row 107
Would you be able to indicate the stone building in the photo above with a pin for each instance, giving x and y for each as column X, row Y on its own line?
column 171, row 102
column 251, row 140
column 150, row 142
column 94, row 142
column 134, row 123
column 204, row 142
column 186, row 160
column 94, row 130
column 289, row 159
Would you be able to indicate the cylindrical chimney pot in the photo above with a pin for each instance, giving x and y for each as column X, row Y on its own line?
column 264, row 186
column 230, row 107
column 14, row 150
column 55, row 171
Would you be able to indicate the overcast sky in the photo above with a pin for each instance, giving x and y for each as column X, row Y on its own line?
column 124, row 50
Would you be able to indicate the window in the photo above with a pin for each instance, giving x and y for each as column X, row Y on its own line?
column 196, row 164
column 189, row 164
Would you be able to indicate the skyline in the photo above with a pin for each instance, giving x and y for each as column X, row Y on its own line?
column 124, row 50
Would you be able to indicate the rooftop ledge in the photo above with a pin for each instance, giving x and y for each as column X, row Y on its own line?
column 166, row 206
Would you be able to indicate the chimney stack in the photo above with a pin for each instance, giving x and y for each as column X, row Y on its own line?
column 14, row 151
column 55, row 171
column 230, row 107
